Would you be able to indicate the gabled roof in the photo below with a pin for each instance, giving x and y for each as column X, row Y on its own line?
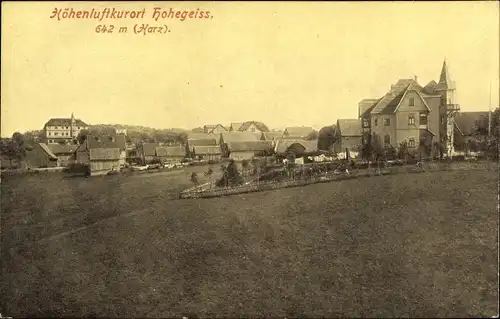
column 297, row 131
column 430, row 87
column 235, row 126
column 349, row 127
column 249, row 146
column 62, row 149
column 207, row 150
column 283, row 145
column 204, row 139
column 210, row 128
column 99, row 141
column 467, row 122
column 391, row 100
column 240, row 136
column 47, row 151
column 149, row 149
column 261, row 126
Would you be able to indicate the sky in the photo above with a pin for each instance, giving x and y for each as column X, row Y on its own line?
column 282, row 63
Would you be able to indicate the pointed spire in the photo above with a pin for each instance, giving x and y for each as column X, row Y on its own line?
column 445, row 76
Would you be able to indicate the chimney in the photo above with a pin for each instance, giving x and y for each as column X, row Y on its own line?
column 415, row 78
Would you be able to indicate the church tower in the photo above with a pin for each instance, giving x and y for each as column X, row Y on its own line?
column 447, row 88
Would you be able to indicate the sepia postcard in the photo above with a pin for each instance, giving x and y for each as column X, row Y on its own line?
column 220, row 159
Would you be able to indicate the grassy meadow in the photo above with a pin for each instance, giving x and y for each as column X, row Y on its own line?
column 417, row 245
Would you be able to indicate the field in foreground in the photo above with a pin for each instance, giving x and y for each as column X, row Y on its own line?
column 420, row 245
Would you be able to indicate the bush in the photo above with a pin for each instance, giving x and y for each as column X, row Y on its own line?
column 77, row 168
column 231, row 176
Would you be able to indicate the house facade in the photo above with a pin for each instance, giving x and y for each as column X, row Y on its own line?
column 100, row 154
column 248, row 150
column 65, row 153
column 63, row 129
column 467, row 136
column 207, row 153
column 349, row 137
column 170, row 154
column 226, row 138
column 249, row 126
column 421, row 117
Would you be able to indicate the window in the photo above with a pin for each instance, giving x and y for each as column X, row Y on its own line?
column 50, row 141
column 411, row 120
column 412, row 101
column 67, row 127
column 411, row 142
column 376, row 121
column 387, row 139
column 50, row 134
column 56, row 127
column 252, row 129
column 387, row 121
column 56, row 133
column 423, row 119
column 365, row 123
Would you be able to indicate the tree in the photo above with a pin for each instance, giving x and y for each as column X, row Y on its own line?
column 194, row 178
column 231, row 176
column 312, row 136
column 209, row 173
column 327, row 137
column 82, row 136
column 377, row 150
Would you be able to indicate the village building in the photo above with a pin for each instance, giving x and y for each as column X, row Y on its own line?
column 170, row 154
column 40, row 156
column 207, row 153
column 214, row 129
column 421, row 117
column 100, row 153
column 226, row 138
column 249, row 126
column 302, row 150
column 65, row 153
column 349, row 137
column 469, row 128
column 248, row 150
column 297, row 132
column 63, row 129
column 147, row 152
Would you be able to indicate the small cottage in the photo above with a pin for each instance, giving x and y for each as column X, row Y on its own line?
column 207, row 153
column 147, row 152
column 247, row 150
column 231, row 137
column 349, row 133
column 297, row 132
column 170, row 154
column 40, row 156
column 100, row 154
column 65, row 153
column 299, row 147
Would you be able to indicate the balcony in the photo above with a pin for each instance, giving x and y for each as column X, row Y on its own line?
column 452, row 108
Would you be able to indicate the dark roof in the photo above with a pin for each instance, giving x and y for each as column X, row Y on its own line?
column 261, row 126
column 168, row 151
column 283, row 145
column 249, row 146
column 62, row 149
column 148, row 149
column 240, row 136
column 430, row 88
column 373, row 102
column 202, row 139
column 235, row 126
column 467, row 122
column 47, row 151
column 121, row 141
column 445, row 79
column 390, row 101
column 297, row 131
column 64, row 122
column 349, row 127
column 205, row 150
column 104, row 154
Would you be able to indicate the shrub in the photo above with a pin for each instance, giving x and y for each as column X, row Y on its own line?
column 77, row 168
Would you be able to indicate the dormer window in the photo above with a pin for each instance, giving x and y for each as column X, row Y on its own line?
column 411, row 101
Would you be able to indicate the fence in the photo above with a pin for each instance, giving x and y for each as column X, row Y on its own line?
column 206, row 190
